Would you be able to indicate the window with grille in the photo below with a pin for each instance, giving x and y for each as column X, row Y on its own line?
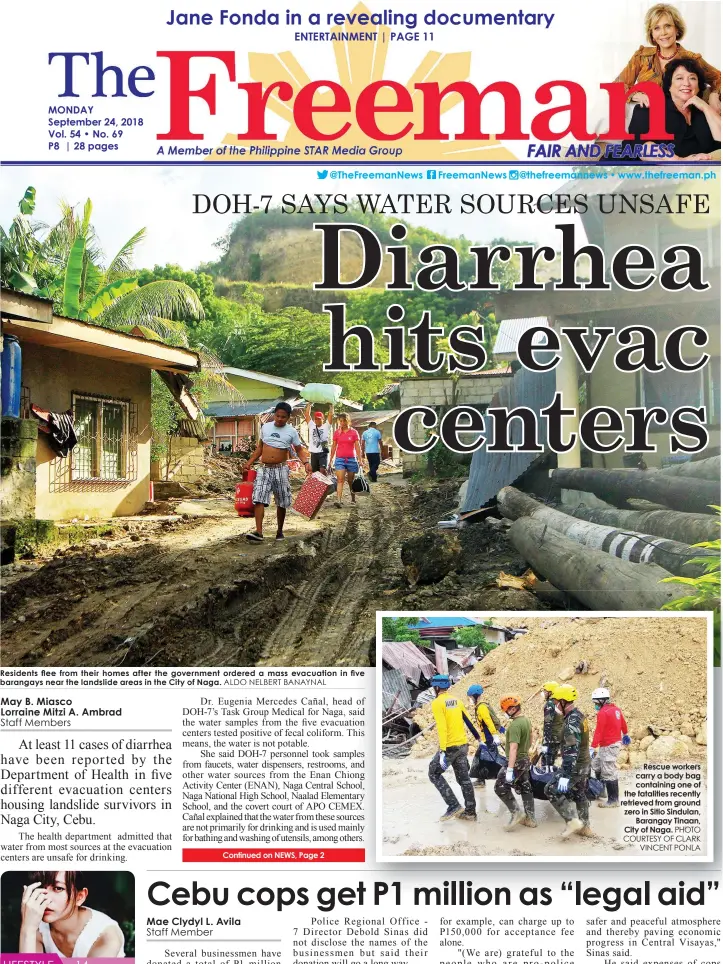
column 102, row 427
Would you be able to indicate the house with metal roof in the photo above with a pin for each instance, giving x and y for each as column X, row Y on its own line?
column 237, row 419
column 76, row 436
column 509, row 333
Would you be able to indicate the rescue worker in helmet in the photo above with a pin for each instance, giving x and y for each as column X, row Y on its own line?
column 452, row 723
column 486, row 717
column 518, row 737
column 567, row 794
column 551, row 727
column 611, row 731
column 487, row 721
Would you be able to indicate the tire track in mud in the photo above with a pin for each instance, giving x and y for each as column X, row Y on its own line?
column 201, row 599
column 328, row 625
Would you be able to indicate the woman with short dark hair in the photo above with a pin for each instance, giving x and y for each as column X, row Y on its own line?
column 694, row 125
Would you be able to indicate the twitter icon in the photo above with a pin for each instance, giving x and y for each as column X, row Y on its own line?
column 322, row 174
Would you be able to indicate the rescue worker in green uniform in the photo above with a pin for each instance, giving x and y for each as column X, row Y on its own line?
column 452, row 725
column 568, row 794
column 551, row 727
column 518, row 737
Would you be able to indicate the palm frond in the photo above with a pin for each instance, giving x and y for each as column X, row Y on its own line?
column 108, row 294
column 208, row 379
column 158, row 329
column 122, row 261
column 157, row 300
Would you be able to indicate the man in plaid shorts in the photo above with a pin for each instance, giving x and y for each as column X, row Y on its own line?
column 275, row 441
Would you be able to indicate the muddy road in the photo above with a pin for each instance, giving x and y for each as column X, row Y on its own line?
column 199, row 594
column 411, row 808
column 195, row 592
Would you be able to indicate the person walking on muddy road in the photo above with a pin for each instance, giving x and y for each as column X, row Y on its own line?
column 275, row 441
column 319, row 436
column 568, row 794
column 551, row 726
column 518, row 737
column 370, row 442
column 452, row 723
column 345, row 457
column 611, row 731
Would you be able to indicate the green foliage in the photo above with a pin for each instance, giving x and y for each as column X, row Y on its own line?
column 706, row 588
column 472, row 636
column 164, row 418
column 395, row 629
column 23, row 263
column 444, row 464
column 198, row 281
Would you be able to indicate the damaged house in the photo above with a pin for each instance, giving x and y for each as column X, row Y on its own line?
column 607, row 528
column 661, row 310
column 76, row 427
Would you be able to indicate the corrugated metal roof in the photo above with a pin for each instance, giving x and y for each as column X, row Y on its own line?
column 241, row 408
column 463, row 657
column 381, row 416
column 512, row 329
column 388, row 390
column 262, row 377
column 490, row 471
column 407, row 657
column 443, row 621
column 395, row 691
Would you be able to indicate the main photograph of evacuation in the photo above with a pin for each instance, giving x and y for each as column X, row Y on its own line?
column 184, row 484
column 510, row 735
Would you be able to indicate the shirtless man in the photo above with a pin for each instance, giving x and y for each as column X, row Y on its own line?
column 275, row 440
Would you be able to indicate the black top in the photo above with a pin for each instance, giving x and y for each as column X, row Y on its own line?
column 693, row 138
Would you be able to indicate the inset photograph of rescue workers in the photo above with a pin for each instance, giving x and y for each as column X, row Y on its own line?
column 553, row 737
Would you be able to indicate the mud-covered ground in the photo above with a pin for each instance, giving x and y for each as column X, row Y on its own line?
column 411, row 808
column 194, row 592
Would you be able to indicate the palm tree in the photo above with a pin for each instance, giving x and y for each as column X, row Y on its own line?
column 68, row 258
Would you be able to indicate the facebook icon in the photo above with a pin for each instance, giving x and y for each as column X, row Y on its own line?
column 431, row 175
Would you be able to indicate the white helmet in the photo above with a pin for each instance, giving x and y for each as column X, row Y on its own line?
column 600, row 694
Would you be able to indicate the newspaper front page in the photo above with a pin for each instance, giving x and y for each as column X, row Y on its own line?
column 361, row 406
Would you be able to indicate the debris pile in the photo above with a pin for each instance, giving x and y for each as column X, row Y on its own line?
column 655, row 668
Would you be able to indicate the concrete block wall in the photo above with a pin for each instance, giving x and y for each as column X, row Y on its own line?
column 184, row 462
column 18, row 450
column 441, row 393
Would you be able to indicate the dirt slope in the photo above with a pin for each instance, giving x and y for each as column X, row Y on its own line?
column 654, row 667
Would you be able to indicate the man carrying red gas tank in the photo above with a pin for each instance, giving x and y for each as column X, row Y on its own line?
column 275, row 440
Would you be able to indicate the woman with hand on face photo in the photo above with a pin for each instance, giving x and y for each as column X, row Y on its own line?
column 664, row 29
column 55, row 920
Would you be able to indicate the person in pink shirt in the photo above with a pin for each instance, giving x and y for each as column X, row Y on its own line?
column 345, row 457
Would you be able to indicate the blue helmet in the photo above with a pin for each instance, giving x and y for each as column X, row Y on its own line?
column 475, row 690
column 441, row 681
